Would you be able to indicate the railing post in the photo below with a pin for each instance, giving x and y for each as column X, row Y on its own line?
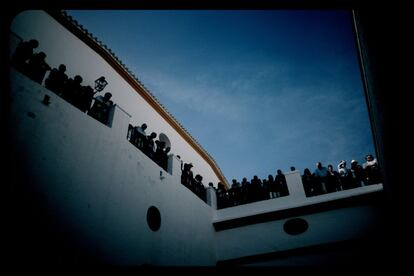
column 174, row 166
column 211, row 197
column 295, row 186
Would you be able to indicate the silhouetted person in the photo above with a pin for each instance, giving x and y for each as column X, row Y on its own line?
column 256, row 187
column 86, row 98
column 281, row 183
column 234, row 192
column 199, row 188
column 372, row 171
column 22, row 54
column 184, row 174
column 72, row 90
column 222, row 201
column 244, row 190
column 101, row 108
column 320, row 174
column 37, row 67
column 333, row 183
column 273, row 193
column 345, row 175
column 159, row 152
column 139, row 136
column 164, row 159
column 358, row 174
column 292, row 169
column 308, row 182
column 149, row 145
column 57, row 80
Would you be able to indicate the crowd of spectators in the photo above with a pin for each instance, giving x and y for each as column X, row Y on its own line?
column 155, row 150
column 323, row 180
column 250, row 191
column 194, row 184
column 326, row 180
column 34, row 66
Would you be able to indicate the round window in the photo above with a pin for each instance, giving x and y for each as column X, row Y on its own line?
column 153, row 218
column 295, row 226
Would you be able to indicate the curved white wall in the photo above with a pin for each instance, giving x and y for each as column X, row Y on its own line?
column 101, row 186
column 61, row 46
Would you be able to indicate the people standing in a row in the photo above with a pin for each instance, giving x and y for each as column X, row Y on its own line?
column 255, row 190
column 159, row 154
column 22, row 54
column 194, row 184
column 35, row 67
column 343, row 179
column 57, row 79
column 29, row 63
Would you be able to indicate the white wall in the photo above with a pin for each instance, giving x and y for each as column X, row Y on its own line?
column 91, row 177
column 331, row 226
column 102, row 186
column 61, row 46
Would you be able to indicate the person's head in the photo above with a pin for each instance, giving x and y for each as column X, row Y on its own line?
column 330, row 168
column 270, row 177
column 62, row 68
column 292, row 168
column 244, row 179
column 41, row 55
column 78, row 79
column 306, row 171
column 210, row 184
column 153, row 135
column 234, row 181
column 279, row 172
column 319, row 165
column 144, row 126
column 354, row 163
column 342, row 164
column 33, row 43
column 160, row 144
column 107, row 96
column 369, row 157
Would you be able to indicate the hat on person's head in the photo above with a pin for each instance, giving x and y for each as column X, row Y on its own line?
column 342, row 163
column 190, row 165
column 354, row 161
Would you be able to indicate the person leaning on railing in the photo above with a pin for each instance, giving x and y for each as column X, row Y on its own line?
column 101, row 107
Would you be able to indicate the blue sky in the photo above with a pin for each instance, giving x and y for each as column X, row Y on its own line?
column 259, row 90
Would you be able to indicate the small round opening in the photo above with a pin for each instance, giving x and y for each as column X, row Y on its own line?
column 295, row 226
column 153, row 218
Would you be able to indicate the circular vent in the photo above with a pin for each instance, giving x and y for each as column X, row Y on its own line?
column 295, row 226
column 153, row 218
